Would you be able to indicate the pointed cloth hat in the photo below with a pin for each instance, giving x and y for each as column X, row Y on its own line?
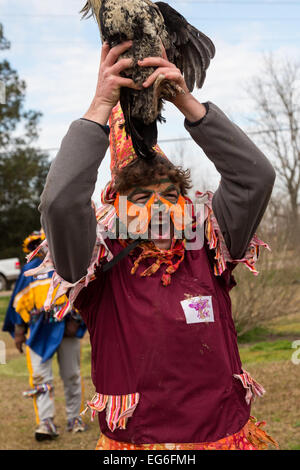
column 121, row 151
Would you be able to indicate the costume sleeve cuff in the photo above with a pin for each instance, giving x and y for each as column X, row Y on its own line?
column 105, row 128
column 194, row 124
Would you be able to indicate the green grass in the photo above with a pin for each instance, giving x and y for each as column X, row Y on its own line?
column 256, row 334
column 15, row 367
column 284, row 327
column 3, row 307
column 280, row 345
column 292, row 328
column 266, row 351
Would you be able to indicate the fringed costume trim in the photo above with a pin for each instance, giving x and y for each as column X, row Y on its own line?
column 253, row 388
column 217, row 243
column 118, row 408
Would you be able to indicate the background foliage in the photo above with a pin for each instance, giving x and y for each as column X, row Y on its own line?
column 23, row 168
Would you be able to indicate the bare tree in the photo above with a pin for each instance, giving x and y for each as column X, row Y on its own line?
column 203, row 177
column 277, row 217
column 276, row 94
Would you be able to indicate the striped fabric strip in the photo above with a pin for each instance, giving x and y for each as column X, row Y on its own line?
column 118, row 408
column 39, row 389
column 216, row 240
column 253, row 388
column 101, row 253
column 113, row 411
column 63, row 311
column 35, row 252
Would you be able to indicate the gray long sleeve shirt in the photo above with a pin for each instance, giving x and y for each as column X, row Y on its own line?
column 247, row 179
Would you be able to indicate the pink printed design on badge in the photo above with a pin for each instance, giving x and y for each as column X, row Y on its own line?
column 198, row 309
column 201, row 305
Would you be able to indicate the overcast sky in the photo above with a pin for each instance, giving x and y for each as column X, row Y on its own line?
column 57, row 55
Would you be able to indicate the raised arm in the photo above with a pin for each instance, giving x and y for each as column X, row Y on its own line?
column 67, row 214
column 247, row 177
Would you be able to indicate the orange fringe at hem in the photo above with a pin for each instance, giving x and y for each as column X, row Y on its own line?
column 251, row 437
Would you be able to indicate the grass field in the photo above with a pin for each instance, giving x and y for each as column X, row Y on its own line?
column 266, row 354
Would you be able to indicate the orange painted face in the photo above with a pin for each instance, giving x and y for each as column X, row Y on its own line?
column 151, row 205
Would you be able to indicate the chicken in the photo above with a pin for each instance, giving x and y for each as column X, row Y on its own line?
column 149, row 25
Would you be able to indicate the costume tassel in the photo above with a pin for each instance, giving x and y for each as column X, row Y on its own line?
column 253, row 388
column 118, row 408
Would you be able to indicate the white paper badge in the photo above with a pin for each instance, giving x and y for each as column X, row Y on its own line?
column 198, row 309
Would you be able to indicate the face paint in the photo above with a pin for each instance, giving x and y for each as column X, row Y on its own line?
column 137, row 216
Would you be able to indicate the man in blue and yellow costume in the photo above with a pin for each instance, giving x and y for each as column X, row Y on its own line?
column 44, row 336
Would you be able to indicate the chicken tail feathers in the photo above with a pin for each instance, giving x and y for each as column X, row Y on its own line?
column 190, row 50
column 143, row 136
column 87, row 10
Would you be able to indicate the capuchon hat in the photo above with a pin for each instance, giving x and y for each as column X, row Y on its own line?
column 121, row 150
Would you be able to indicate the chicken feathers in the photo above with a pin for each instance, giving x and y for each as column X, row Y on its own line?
column 148, row 25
